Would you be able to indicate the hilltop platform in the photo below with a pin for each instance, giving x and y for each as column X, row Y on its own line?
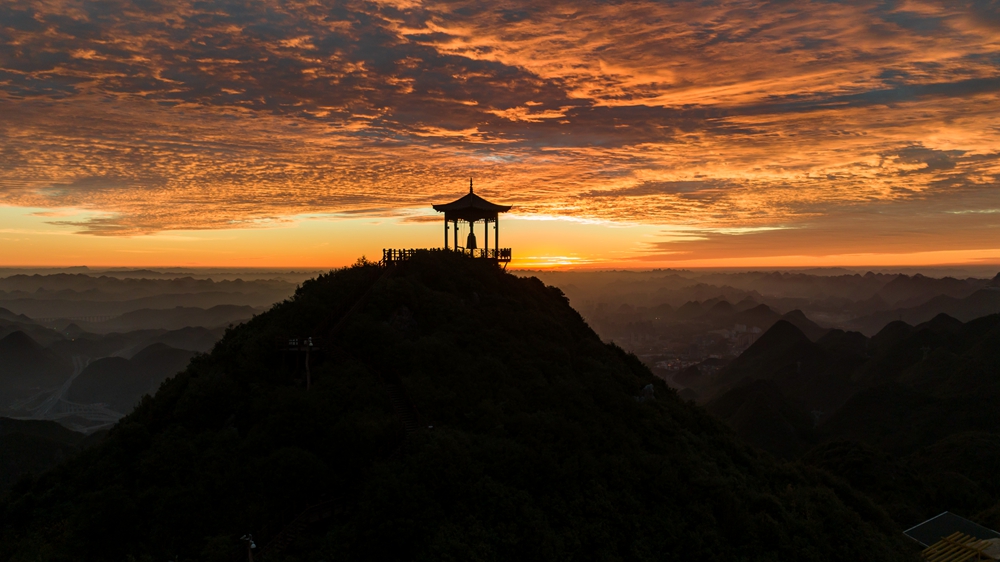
column 501, row 255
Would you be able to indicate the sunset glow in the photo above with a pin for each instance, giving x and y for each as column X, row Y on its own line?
column 638, row 135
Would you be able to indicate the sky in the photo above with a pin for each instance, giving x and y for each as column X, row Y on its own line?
column 625, row 134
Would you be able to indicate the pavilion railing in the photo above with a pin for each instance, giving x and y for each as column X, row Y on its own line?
column 393, row 255
column 501, row 254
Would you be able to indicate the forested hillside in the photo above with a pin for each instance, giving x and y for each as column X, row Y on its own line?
column 461, row 413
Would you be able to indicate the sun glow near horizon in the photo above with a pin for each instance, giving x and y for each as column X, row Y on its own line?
column 322, row 244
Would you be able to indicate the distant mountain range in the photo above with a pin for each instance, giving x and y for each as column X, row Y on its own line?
column 169, row 319
column 121, row 383
column 612, row 300
column 26, row 367
column 979, row 303
column 914, row 403
column 82, row 348
column 81, row 295
column 87, row 380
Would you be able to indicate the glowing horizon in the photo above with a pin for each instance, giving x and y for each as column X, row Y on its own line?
column 718, row 134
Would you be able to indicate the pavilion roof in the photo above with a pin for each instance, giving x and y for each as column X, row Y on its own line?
column 471, row 201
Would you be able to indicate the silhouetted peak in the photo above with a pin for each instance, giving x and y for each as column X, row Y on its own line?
column 833, row 335
column 690, row 309
column 664, row 308
column 892, row 332
column 759, row 311
column 811, row 329
column 782, row 332
column 73, row 330
column 159, row 351
column 18, row 341
column 840, row 341
column 874, row 301
column 152, row 349
column 942, row 323
column 721, row 307
column 8, row 315
column 996, row 281
column 795, row 315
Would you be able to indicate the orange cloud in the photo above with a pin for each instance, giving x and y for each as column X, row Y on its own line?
column 736, row 120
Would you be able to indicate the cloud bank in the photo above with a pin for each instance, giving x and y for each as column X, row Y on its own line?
column 809, row 116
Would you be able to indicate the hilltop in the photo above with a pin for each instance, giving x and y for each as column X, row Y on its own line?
column 459, row 412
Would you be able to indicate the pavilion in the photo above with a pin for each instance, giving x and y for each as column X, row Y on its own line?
column 471, row 208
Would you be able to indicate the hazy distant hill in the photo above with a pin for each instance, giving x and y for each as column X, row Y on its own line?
column 77, row 296
column 62, row 285
column 83, row 308
column 979, row 303
column 127, row 344
column 815, row 376
column 922, row 374
column 905, row 290
column 27, row 368
column 832, row 299
column 544, row 446
column 172, row 318
column 9, row 316
column 938, row 379
column 812, row 330
column 121, row 382
column 10, row 323
column 791, row 284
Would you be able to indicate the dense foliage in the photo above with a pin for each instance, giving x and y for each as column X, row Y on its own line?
column 540, row 449
column 33, row 446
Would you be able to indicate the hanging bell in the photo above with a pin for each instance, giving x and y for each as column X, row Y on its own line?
column 470, row 243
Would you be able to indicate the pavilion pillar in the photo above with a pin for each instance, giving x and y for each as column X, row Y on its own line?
column 496, row 236
column 486, row 237
column 446, row 234
column 456, row 234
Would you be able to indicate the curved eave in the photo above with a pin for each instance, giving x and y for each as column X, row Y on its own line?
column 447, row 207
column 471, row 202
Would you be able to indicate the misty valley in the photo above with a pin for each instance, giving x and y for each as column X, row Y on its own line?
column 82, row 349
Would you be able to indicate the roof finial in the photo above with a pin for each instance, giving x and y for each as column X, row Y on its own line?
column 470, row 185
